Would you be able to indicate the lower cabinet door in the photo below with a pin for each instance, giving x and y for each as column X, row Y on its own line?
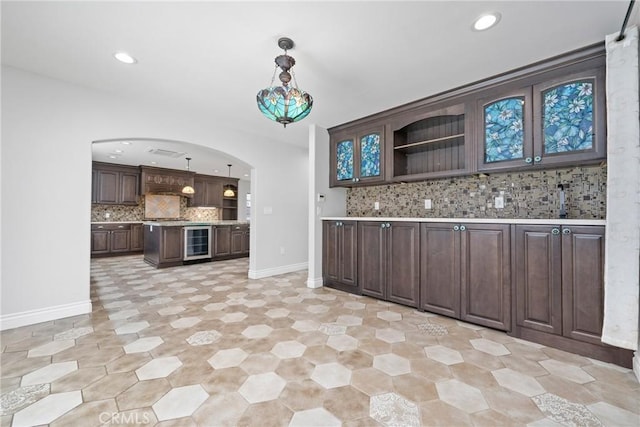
column 372, row 255
column 137, row 237
column 348, row 260
column 120, row 240
column 403, row 270
column 222, row 240
column 538, row 278
column 485, row 285
column 583, row 283
column 100, row 242
column 440, row 269
column 171, row 246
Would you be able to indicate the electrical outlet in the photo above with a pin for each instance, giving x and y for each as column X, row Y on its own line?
column 281, row 250
column 427, row 203
column 107, row 215
column 499, row 202
column 376, row 205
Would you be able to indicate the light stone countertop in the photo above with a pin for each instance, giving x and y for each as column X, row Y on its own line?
column 193, row 223
column 557, row 221
column 117, row 222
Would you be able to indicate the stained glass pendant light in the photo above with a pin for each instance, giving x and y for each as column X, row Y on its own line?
column 187, row 189
column 284, row 104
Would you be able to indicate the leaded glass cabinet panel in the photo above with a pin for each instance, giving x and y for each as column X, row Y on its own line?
column 370, row 155
column 504, row 131
column 357, row 156
column 344, row 160
column 569, row 119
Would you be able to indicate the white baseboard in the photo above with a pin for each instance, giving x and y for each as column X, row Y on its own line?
column 268, row 272
column 31, row 317
column 636, row 364
column 314, row 283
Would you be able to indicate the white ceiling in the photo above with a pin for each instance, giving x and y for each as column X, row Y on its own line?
column 355, row 58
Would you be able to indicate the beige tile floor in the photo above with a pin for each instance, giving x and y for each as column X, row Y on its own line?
column 204, row 345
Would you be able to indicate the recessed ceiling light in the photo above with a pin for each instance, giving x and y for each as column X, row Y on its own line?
column 154, row 163
column 125, row 57
column 125, row 143
column 215, row 171
column 118, row 151
column 486, row 21
column 113, row 157
column 246, row 174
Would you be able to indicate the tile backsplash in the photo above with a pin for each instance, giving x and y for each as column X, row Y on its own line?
column 531, row 194
column 136, row 213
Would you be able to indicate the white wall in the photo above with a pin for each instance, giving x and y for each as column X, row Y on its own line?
column 334, row 203
column 45, row 178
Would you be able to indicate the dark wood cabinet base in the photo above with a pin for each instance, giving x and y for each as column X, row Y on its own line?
column 603, row 352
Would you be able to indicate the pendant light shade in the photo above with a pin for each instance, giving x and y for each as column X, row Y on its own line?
column 187, row 189
column 284, row 104
column 228, row 191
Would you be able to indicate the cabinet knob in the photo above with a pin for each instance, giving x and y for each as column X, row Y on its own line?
column 537, row 159
column 388, row 225
column 383, row 225
column 462, row 228
column 566, row 231
column 456, row 227
column 555, row 231
column 528, row 160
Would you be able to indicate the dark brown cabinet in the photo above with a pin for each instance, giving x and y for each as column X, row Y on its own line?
column 558, row 121
column 465, row 272
column 137, row 237
column 357, row 156
column 115, row 239
column 163, row 245
column 559, row 288
column 389, row 261
column 221, row 241
column 208, row 191
column 430, row 143
column 115, row 184
column 240, row 240
column 339, row 258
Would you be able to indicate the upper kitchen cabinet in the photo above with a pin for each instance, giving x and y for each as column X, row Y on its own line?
column 430, row 143
column 357, row 156
column 555, row 122
column 115, row 184
column 208, row 192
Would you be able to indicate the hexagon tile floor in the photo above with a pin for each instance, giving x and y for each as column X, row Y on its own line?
column 203, row 345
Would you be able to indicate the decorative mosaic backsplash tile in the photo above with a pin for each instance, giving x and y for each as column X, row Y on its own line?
column 532, row 194
column 136, row 213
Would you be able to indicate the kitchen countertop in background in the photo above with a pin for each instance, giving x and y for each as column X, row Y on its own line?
column 193, row 223
column 477, row 220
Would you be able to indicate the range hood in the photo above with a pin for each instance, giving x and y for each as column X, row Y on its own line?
column 162, row 181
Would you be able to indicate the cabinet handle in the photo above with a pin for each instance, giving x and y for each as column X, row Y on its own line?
column 566, row 231
column 121, row 226
column 456, row 228
column 528, row 160
column 555, row 231
column 537, row 159
column 462, row 228
column 100, row 226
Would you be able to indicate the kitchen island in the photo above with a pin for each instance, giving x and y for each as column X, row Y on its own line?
column 172, row 243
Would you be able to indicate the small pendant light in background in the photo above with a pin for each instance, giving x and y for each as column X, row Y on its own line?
column 228, row 191
column 187, row 189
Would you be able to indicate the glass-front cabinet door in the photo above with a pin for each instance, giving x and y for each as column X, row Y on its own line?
column 505, row 135
column 357, row 157
column 569, row 122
